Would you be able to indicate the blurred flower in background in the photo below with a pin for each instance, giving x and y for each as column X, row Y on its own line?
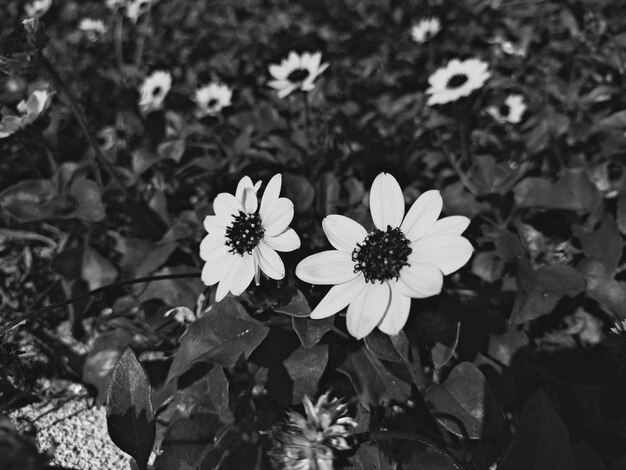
column 309, row 442
column 154, row 90
column 243, row 237
column 376, row 274
column 115, row 4
column 37, row 8
column 296, row 72
column 511, row 111
column 29, row 109
column 137, row 8
column 212, row 98
column 456, row 80
column 425, row 29
column 92, row 28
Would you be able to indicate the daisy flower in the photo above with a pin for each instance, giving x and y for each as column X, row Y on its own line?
column 29, row 110
column 37, row 8
column 115, row 4
column 309, row 442
column 154, row 90
column 212, row 98
column 296, row 72
column 456, row 80
column 425, row 29
column 92, row 28
column 510, row 111
column 137, row 8
column 376, row 274
column 244, row 237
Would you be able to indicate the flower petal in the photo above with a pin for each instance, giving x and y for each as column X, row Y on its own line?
column 397, row 314
column 271, row 194
column 327, row 267
column 216, row 267
column 214, row 223
column 244, row 274
column 276, row 220
column 386, row 202
column 453, row 225
column 226, row 205
column 419, row 281
column 368, row 309
column 447, row 252
column 286, row 91
column 246, row 195
column 286, row 241
column 212, row 243
column 269, row 262
column 338, row 297
column 422, row 215
column 343, row 233
column 278, row 72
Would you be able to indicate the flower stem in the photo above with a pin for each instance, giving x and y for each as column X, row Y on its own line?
column 307, row 117
column 82, row 122
column 119, row 38
column 35, row 313
column 406, row 436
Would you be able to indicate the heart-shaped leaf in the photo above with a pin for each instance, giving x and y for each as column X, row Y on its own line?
column 311, row 331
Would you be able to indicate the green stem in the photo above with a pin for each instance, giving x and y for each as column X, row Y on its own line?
column 307, row 117
column 82, row 122
column 35, row 313
column 406, row 436
column 119, row 42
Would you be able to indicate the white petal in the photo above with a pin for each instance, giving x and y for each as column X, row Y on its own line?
column 278, row 72
column 286, row 241
column 245, row 182
column 269, row 262
column 223, row 288
column 343, row 233
column 280, row 84
column 246, row 195
column 215, row 269
column 277, row 219
column 453, row 225
column 226, row 205
column 286, row 91
column 397, row 314
column 368, row 309
column 271, row 194
column 386, row 202
column 447, row 252
column 422, row 215
column 213, row 223
column 419, row 281
column 212, row 243
column 338, row 297
column 244, row 275
column 327, row 267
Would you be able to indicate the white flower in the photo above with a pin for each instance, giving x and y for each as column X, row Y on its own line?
column 37, row 8
column 296, row 72
column 29, row 110
column 212, row 98
column 154, row 90
column 508, row 47
column 510, row 111
column 425, row 29
column 115, row 4
column 137, row 8
column 92, row 28
column 619, row 327
column 244, row 237
column 456, row 80
column 376, row 274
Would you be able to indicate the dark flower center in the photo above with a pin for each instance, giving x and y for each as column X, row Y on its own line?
column 456, row 80
column 212, row 102
column 157, row 91
column 245, row 233
column 504, row 109
column 298, row 75
column 382, row 255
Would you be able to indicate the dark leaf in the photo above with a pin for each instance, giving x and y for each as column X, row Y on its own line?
column 28, row 200
column 442, row 353
column 381, row 345
column 602, row 288
column 305, row 367
column 89, row 197
column 299, row 190
column 585, row 458
column 458, row 201
column 465, row 404
column 311, row 331
column 605, row 244
column 130, row 419
column 220, row 337
column 297, row 306
column 174, row 292
column 173, row 150
column 541, row 441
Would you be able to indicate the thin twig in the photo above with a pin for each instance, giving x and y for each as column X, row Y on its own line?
column 29, row 315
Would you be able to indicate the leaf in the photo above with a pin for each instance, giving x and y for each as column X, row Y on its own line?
column 614, row 122
column 465, row 404
column 220, row 337
column 573, row 191
column 327, row 193
column 172, row 150
column 381, row 345
column 442, row 353
column 299, row 190
column 84, row 263
column 541, row 441
column 305, row 367
column 101, row 359
column 174, row 292
column 28, row 200
column 369, row 456
column 602, row 288
column 297, row 306
column 458, row 201
column 540, row 290
column 604, row 244
column 130, row 419
column 89, row 197
column 504, row 346
column 585, row 458
column 311, row 331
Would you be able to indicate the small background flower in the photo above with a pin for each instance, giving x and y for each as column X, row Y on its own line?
column 511, row 110
column 29, row 109
column 212, row 98
column 296, row 72
column 425, row 29
column 137, row 8
column 456, row 80
column 37, row 8
column 154, row 90
column 92, row 28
